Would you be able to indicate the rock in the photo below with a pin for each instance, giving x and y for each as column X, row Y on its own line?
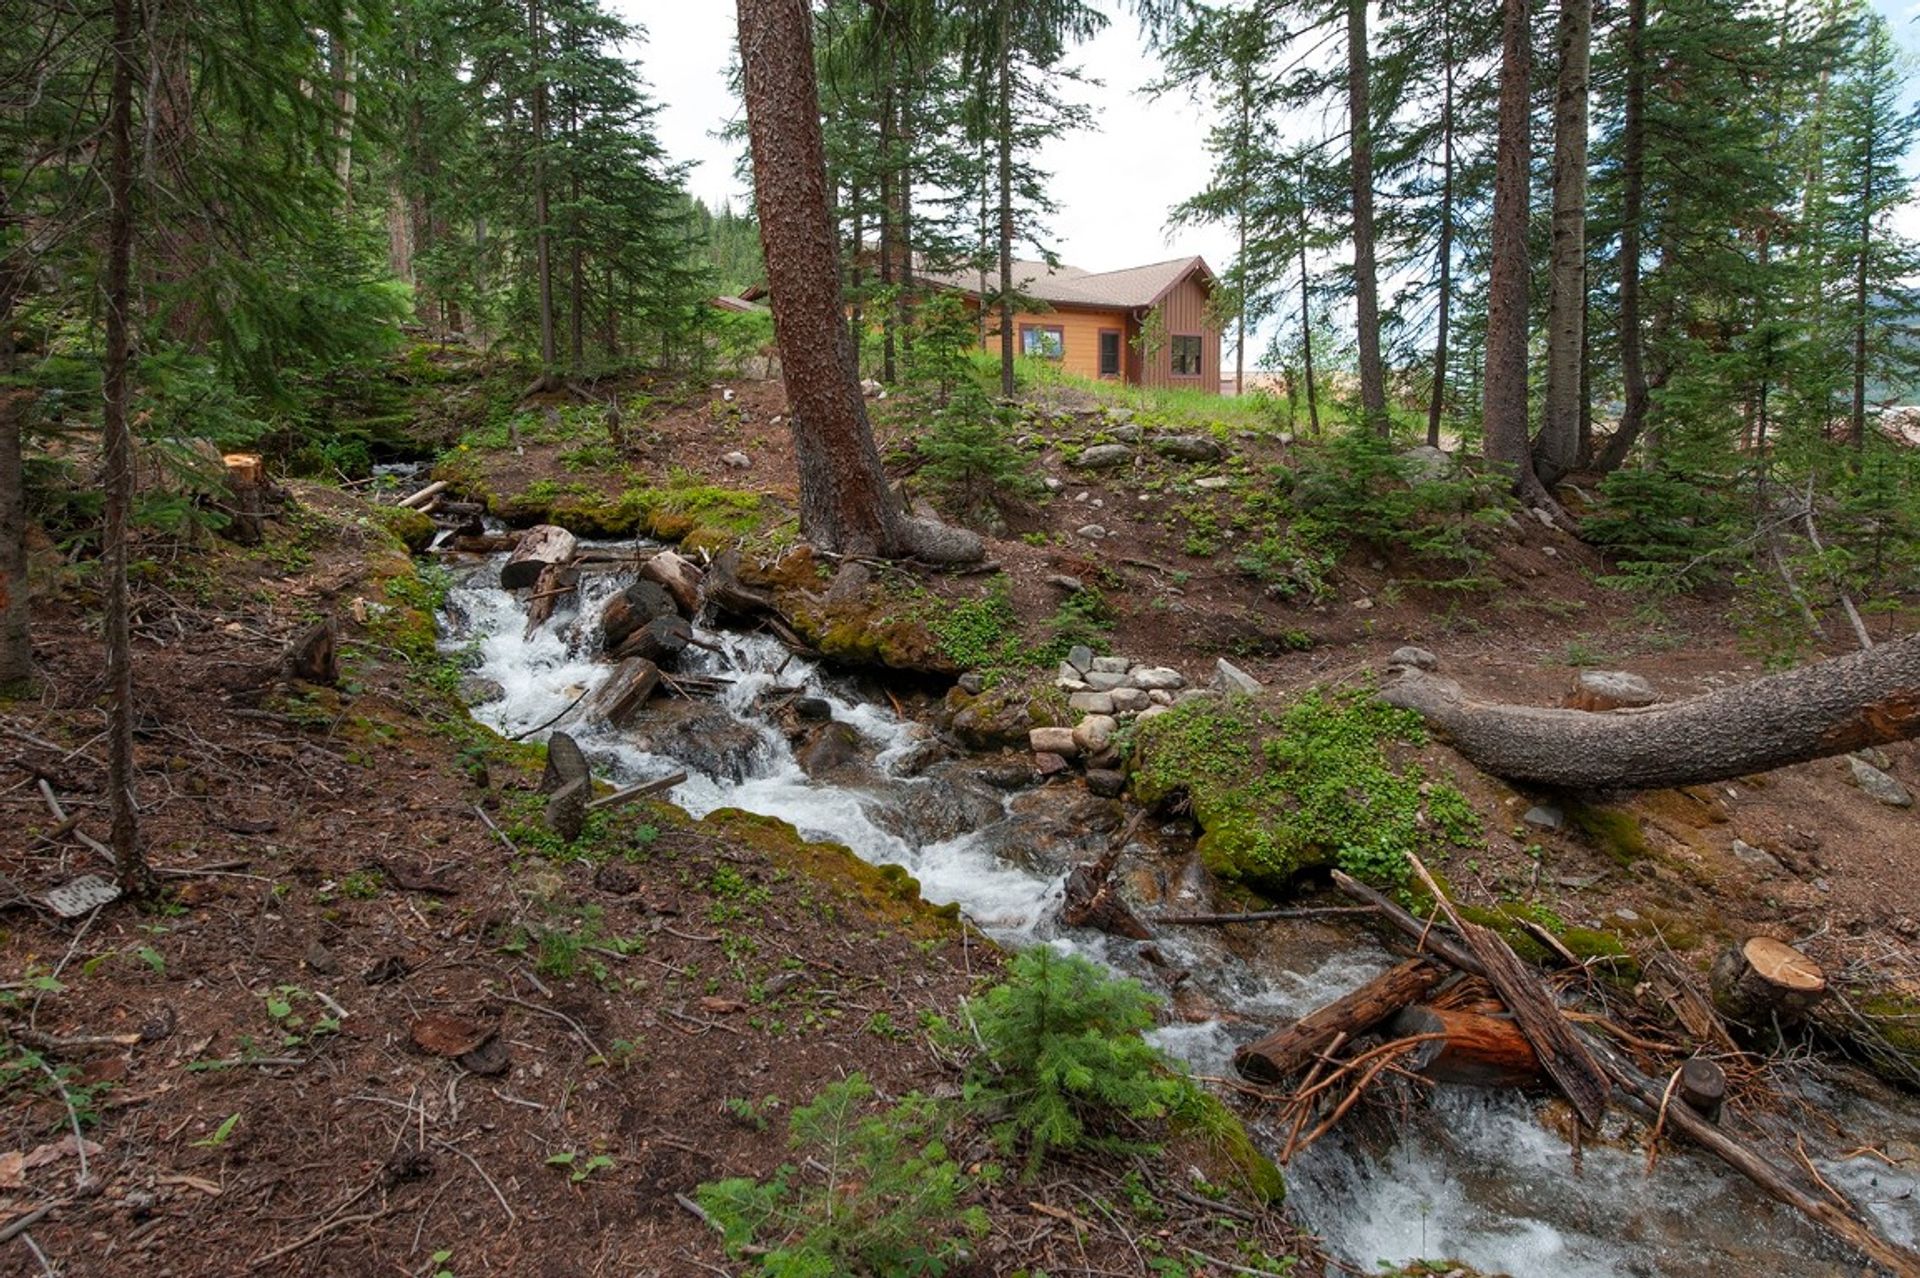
column 1214, row 482
column 1189, row 448
column 1228, row 677
column 1104, row 680
column 1060, row 741
column 1104, row 457
column 321, row 959
column 1164, row 678
column 995, row 720
column 1545, row 816
column 1363, row 604
column 1106, row 783
column 1049, row 764
column 1544, row 515
column 1129, row 700
column 972, row 683
column 1009, row 776
column 872, row 389
column 476, row 691
column 1876, row 756
column 1079, row 659
column 1879, row 785
column 1153, row 712
column 812, row 709
column 1160, row 697
column 1119, row 416
column 1094, row 733
column 832, row 746
column 1053, row 483
column 1759, row 858
column 1602, row 690
column 1127, row 434
column 736, row 460
column 1110, row 665
column 1091, row 532
column 1418, row 658
column 1091, row 702
column 1425, row 463
column 1072, row 585
column 705, row 737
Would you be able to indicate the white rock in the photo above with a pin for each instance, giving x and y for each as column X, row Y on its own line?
column 1058, row 741
column 1155, row 678
column 1152, row 712
column 1095, row 733
column 739, row 461
column 1092, row 532
column 1213, row 482
column 1104, row 680
column 1129, row 700
column 1110, row 665
column 1160, row 697
column 1053, row 484
column 1231, row 678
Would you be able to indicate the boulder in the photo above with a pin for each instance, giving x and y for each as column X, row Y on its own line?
column 1164, row 678
column 1110, row 665
column 1758, row 858
column 1128, row 700
column 1417, row 658
column 1153, row 712
column 1091, row 532
column 831, row 747
column 1095, row 732
column 1602, row 690
column 1545, row 816
column 1879, row 785
column 1189, row 448
column 1091, row 702
column 1104, row 457
column 1106, row 783
column 736, row 460
column 1079, row 660
column 1060, row 741
column 1424, row 464
column 1105, row 680
column 1049, row 764
column 1228, row 677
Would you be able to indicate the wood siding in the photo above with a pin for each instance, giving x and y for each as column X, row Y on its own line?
column 1080, row 331
column 1185, row 311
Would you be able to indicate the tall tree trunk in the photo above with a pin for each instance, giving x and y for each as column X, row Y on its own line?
column 16, row 640
column 1504, row 390
column 889, row 226
column 542, row 232
column 845, row 506
column 130, row 865
column 1306, row 316
column 1437, row 404
column 1004, row 142
column 1240, row 309
column 345, row 106
column 1366, row 284
column 1633, row 151
column 1557, row 450
column 1859, row 416
column 576, row 249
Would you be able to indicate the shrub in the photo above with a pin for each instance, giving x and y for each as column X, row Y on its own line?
column 873, row 1195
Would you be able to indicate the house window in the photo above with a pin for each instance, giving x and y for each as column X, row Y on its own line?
column 1109, row 352
column 1186, row 357
column 1043, row 341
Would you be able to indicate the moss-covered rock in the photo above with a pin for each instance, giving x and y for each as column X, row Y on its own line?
column 410, row 527
column 1001, row 718
column 886, row 891
column 1208, row 1134
column 1615, row 831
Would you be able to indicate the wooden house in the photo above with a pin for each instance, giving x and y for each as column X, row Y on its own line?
column 1143, row 326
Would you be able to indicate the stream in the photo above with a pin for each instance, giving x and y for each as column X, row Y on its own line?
column 1473, row 1175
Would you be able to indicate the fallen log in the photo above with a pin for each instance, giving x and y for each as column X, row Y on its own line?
column 659, row 641
column 1828, row 708
column 556, row 581
column 1286, row 1051
column 1263, row 916
column 1854, row 1230
column 640, row 791
column 724, row 591
column 1563, row 1056
column 1467, row 1047
column 1092, row 901
column 631, row 609
column 677, row 575
column 425, row 495
column 566, row 763
column 1766, row 982
column 626, row 691
column 481, row 543
column 539, row 547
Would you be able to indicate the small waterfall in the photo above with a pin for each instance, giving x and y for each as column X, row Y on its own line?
column 1471, row 1176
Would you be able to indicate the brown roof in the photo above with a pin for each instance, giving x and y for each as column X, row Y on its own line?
column 1133, row 288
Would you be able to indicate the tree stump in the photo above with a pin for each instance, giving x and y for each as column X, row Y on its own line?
column 631, row 609
column 1479, row 1050
column 1766, row 982
column 565, row 763
column 1292, row 1048
column 567, row 809
column 659, row 641
column 313, row 655
column 1702, row 1085
column 622, row 696
column 539, row 547
column 679, row 577
column 247, row 482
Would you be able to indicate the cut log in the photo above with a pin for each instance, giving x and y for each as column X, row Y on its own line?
column 416, row 500
column 1288, row 1050
column 679, row 577
column 1475, row 1049
column 631, row 609
column 640, row 791
column 247, row 482
column 1828, row 708
column 565, row 764
column 625, row 692
column 567, row 809
column 1702, row 1085
column 659, row 641
column 1092, row 901
column 556, row 582
column 539, row 546
column 313, row 656
column 1766, row 982
column 1562, row 1054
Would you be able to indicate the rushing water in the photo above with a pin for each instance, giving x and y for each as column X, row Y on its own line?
column 1471, row 1175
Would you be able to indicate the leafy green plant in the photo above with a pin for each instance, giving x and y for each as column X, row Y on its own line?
column 579, row 1168
column 220, row 1134
column 873, row 1194
column 1063, row 1064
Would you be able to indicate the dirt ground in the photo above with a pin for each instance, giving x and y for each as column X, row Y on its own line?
column 346, row 881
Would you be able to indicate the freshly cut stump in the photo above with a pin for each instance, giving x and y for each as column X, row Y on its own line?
column 1765, row 982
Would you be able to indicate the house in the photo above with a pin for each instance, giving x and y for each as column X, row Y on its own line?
column 1144, row 325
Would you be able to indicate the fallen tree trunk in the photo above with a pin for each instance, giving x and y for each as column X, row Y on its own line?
column 678, row 577
column 626, row 691
column 1472, row 1048
column 539, row 547
column 1092, row 901
column 1291, row 1049
column 659, row 641
column 555, row 582
column 1828, row 708
column 631, row 609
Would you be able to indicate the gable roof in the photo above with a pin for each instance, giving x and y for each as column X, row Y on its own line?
column 1131, row 288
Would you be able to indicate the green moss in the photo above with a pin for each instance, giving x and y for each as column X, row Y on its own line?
column 1225, row 1149
column 1311, row 785
column 1614, row 831
column 409, row 527
column 886, row 891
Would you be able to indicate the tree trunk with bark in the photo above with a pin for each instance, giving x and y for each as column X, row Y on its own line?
column 1828, row 708
column 1472, row 1048
column 1557, row 450
column 129, row 861
column 1633, row 149
column 16, row 640
column 540, row 547
column 1289, row 1050
column 1442, row 317
column 542, row 232
column 1004, row 145
column 1366, row 283
column 845, row 505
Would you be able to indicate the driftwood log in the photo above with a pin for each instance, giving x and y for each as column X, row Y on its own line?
column 1474, row 1048
column 1289, row 1050
column 1765, row 982
column 539, row 547
column 676, row 574
column 625, row 691
column 659, row 641
column 631, row 609
column 415, row 501
column 555, row 582
column 1828, row 708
